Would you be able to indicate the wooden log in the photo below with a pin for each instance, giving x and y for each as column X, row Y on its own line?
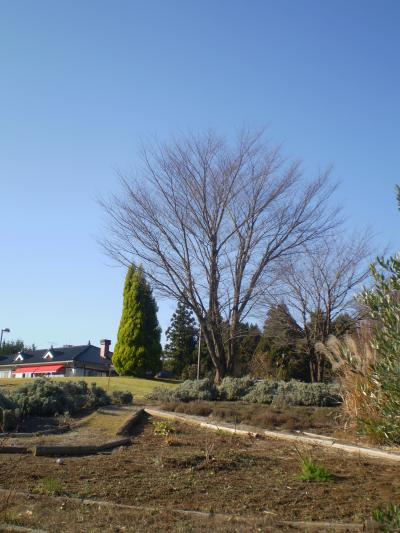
column 113, row 444
column 74, row 451
column 14, row 449
column 58, row 451
column 130, row 422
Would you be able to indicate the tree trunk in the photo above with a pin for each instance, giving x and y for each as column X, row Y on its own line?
column 232, row 342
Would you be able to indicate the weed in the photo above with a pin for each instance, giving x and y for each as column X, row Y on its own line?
column 313, row 472
column 310, row 471
column 163, row 428
column 12, row 517
column 158, row 461
column 209, row 446
column 172, row 441
column 49, row 486
column 388, row 518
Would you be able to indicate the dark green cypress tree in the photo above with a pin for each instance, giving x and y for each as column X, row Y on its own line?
column 138, row 348
column 181, row 340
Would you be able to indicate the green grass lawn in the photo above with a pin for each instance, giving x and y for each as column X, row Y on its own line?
column 138, row 387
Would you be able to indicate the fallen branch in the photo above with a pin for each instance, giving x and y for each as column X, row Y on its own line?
column 58, row 451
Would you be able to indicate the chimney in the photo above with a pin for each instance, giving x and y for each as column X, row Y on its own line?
column 105, row 348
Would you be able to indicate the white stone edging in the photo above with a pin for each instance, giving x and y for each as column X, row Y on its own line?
column 318, row 440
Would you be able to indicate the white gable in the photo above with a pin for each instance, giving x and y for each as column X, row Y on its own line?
column 48, row 355
column 19, row 357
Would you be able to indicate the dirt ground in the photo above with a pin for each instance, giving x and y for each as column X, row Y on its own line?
column 193, row 469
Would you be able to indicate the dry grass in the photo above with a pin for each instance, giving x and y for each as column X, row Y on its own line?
column 106, row 423
column 289, row 418
column 352, row 360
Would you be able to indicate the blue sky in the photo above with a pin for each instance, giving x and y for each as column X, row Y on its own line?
column 83, row 82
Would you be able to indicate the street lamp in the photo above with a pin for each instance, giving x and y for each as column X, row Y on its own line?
column 5, row 330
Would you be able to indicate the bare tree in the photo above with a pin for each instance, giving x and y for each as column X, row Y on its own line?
column 320, row 286
column 210, row 221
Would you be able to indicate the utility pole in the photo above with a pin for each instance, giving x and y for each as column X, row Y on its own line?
column 198, row 356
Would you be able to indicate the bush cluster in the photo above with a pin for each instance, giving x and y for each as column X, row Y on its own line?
column 293, row 392
column 189, row 390
column 264, row 392
column 43, row 397
column 122, row 397
column 235, row 388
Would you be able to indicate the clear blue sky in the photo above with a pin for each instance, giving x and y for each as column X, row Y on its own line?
column 82, row 81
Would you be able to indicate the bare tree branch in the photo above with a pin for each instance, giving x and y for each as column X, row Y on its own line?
column 210, row 222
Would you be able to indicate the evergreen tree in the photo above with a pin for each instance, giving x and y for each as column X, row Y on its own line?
column 277, row 353
column 138, row 348
column 248, row 339
column 11, row 347
column 180, row 349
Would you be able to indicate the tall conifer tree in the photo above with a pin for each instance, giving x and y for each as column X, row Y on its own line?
column 181, row 339
column 138, row 348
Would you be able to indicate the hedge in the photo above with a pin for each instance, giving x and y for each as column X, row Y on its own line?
column 246, row 389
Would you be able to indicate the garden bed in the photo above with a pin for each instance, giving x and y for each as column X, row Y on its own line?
column 322, row 419
column 188, row 468
column 96, row 428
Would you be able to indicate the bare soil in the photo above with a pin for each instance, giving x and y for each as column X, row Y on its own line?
column 193, row 469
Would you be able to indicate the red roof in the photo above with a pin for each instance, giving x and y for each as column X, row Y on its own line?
column 45, row 369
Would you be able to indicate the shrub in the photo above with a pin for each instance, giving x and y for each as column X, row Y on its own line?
column 9, row 419
column 265, row 392
column 5, row 402
column 203, row 389
column 306, row 394
column 262, row 392
column 383, row 305
column 161, row 394
column 97, row 397
column 283, row 393
column 43, row 397
column 122, row 397
column 189, row 390
column 234, row 388
column 189, row 372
